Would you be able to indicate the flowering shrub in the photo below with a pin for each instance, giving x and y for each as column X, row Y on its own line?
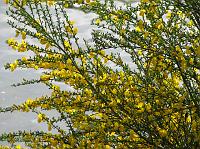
column 151, row 102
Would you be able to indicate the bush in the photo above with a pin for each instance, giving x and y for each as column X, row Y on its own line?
column 153, row 101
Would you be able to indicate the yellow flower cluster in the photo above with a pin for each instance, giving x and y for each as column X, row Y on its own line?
column 150, row 103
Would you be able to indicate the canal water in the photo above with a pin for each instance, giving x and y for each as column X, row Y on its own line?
column 14, row 95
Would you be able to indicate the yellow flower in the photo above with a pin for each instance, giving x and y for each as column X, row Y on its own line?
column 188, row 51
column 191, row 61
column 190, row 23
column 6, row 1
column 24, row 59
column 142, row 12
column 140, row 105
column 114, row 91
column 194, row 125
column 29, row 101
column 162, row 132
column 179, row 13
column 197, row 51
column 127, row 93
column 39, row 118
column 50, row 2
column 99, row 115
column 63, row 73
column 137, row 29
column 23, row 35
column 49, row 127
column 13, row 66
column 43, row 40
column 88, row 92
column 188, row 119
column 38, row 35
column 178, row 49
column 17, row 33
column 148, row 107
column 108, row 147
column 80, row 1
column 98, row 21
column 133, row 135
column 176, row 80
column 112, row 133
column 144, row 1
column 22, row 46
column 53, row 142
column 68, row 29
column 139, row 52
column 67, row 44
column 140, row 25
column 45, row 77
column 47, row 45
column 102, row 52
column 159, row 25
column 69, row 61
column 66, row 5
column 168, row 15
column 71, row 22
column 18, row 147
column 75, row 30
column 78, row 98
column 11, row 41
column 56, row 87
column 119, row 138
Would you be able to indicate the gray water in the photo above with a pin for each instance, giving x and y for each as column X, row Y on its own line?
column 15, row 95
column 9, row 95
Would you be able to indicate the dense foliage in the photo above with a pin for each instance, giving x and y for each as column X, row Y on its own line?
column 150, row 101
